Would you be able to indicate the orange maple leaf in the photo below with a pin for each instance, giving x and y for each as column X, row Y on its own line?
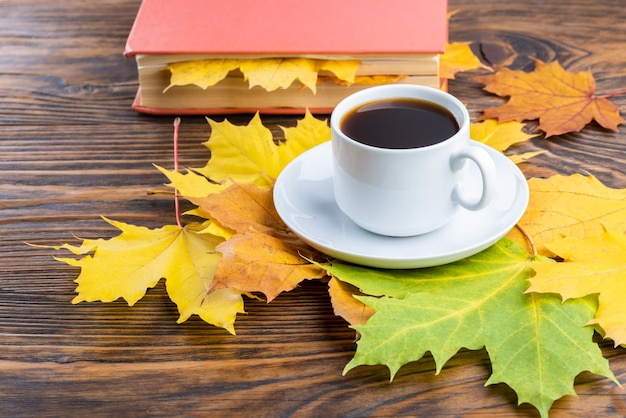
column 345, row 304
column 241, row 207
column 263, row 262
column 263, row 255
column 562, row 101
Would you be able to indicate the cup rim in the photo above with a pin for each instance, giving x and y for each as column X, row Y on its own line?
column 398, row 91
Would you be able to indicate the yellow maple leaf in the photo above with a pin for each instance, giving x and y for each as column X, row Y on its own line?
column 248, row 154
column 245, row 154
column 214, row 228
column 280, row 73
column 457, row 57
column 307, row 133
column 344, row 70
column 595, row 264
column 499, row 136
column 269, row 73
column 127, row 265
column 575, row 206
column 202, row 73
column 191, row 184
column 562, row 101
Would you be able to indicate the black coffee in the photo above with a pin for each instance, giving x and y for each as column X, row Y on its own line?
column 399, row 124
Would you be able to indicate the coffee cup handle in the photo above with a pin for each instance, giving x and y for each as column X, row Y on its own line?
column 488, row 173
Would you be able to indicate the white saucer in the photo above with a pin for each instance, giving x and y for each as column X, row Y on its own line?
column 303, row 196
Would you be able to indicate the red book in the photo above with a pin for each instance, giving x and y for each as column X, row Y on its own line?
column 409, row 33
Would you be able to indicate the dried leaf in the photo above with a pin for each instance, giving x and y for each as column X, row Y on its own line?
column 248, row 154
column 245, row 154
column 280, row 73
column 575, row 206
column 242, row 207
column 127, row 265
column 595, row 264
column 308, row 133
column 344, row 71
column 499, row 136
column 202, row 73
column 260, row 262
column 192, row 184
column 269, row 73
column 457, row 57
column 562, row 101
column 263, row 256
column 345, row 305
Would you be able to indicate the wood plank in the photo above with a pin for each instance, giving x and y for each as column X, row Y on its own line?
column 71, row 150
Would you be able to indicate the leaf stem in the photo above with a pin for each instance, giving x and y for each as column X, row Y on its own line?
column 529, row 240
column 617, row 93
column 176, row 199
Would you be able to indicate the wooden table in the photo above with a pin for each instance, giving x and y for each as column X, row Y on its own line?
column 71, row 149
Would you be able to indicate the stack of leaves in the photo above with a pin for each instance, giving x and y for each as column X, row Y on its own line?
column 534, row 316
column 269, row 73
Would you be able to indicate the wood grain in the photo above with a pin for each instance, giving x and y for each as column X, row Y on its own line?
column 71, row 150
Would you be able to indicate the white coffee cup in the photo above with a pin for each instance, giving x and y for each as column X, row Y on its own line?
column 406, row 192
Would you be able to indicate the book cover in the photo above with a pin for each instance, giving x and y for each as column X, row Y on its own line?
column 289, row 27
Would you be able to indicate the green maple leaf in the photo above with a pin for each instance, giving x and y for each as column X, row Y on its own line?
column 537, row 345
